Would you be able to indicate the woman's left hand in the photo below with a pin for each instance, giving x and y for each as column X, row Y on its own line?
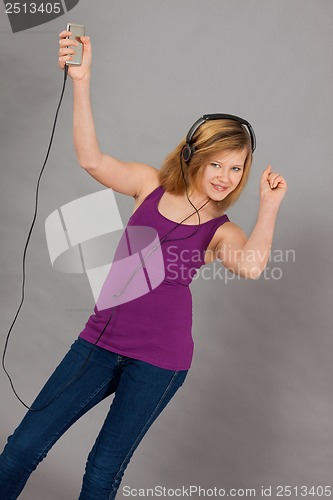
column 273, row 187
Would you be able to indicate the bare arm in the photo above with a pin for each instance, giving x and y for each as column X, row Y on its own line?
column 86, row 144
column 124, row 177
column 247, row 257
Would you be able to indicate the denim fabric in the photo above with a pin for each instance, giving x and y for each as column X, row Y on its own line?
column 141, row 392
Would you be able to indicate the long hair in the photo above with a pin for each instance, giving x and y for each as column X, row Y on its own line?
column 211, row 138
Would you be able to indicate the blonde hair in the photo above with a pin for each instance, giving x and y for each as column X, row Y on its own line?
column 211, row 138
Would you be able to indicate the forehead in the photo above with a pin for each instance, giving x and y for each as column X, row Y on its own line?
column 230, row 157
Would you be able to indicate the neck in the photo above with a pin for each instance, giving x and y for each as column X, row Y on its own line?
column 196, row 197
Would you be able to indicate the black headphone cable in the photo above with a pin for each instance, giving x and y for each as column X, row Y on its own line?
column 29, row 235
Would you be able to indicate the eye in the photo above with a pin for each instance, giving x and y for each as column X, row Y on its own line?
column 216, row 165
column 237, row 169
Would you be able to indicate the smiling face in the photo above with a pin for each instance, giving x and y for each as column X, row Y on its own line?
column 222, row 174
column 222, row 157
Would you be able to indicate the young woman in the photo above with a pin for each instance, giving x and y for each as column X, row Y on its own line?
column 142, row 352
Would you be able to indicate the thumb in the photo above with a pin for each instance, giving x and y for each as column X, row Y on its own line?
column 85, row 39
column 266, row 173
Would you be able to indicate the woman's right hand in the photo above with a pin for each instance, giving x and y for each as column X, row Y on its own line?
column 67, row 49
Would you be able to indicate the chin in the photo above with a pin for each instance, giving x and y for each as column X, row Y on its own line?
column 218, row 196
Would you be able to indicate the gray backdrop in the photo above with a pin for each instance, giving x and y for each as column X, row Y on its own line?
column 257, row 405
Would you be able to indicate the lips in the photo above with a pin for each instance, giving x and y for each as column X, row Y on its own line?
column 218, row 187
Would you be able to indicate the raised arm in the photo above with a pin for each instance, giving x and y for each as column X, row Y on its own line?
column 247, row 257
column 123, row 177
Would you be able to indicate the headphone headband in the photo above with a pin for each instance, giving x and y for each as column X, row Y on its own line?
column 188, row 149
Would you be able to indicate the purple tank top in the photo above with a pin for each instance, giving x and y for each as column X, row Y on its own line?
column 157, row 326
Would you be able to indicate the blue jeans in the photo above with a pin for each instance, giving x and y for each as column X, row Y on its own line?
column 141, row 392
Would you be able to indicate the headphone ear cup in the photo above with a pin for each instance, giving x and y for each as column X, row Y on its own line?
column 187, row 153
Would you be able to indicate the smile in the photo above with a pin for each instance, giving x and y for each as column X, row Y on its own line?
column 219, row 188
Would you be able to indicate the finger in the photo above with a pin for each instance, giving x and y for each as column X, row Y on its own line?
column 62, row 60
column 272, row 179
column 66, row 51
column 278, row 180
column 65, row 33
column 64, row 42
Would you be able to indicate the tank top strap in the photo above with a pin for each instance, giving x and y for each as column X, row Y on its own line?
column 210, row 228
column 154, row 196
column 149, row 203
column 218, row 221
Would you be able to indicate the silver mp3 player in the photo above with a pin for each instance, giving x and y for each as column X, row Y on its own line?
column 77, row 30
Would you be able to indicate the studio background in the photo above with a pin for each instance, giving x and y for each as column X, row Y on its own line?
column 257, row 405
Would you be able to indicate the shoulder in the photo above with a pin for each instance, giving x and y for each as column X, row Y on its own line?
column 229, row 235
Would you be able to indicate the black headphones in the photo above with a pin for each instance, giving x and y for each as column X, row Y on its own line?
column 188, row 150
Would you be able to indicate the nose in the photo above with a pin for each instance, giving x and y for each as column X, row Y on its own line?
column 223, row 176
